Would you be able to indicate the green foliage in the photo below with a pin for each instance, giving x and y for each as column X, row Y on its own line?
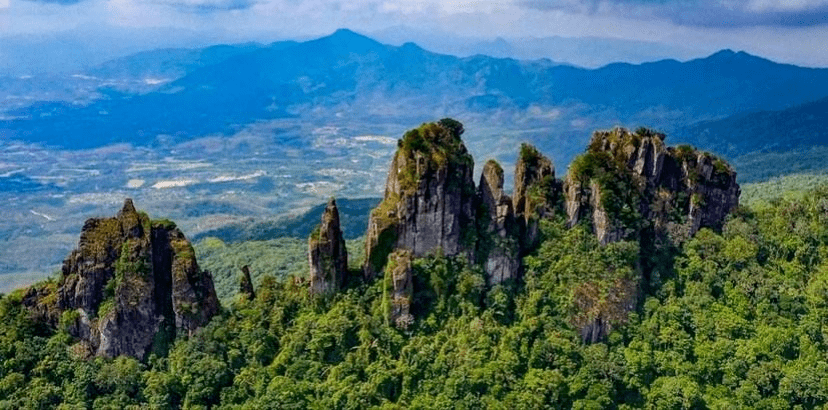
column 619, row 192
column 438, row 144
column 738, row 321
column 163, row 224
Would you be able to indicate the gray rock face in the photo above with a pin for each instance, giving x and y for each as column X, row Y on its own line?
column 677, row 190
column 399, row 285
column 327, row 254
column 131, row 281
column 536, row 193
column 246, row 284
column 628, row 183
column 498, row 244
column 429, row 199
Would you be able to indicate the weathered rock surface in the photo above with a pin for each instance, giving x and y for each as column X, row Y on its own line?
column 429, row 200
column 399, row 285
column 135, row 284
column 246, row 284
column 627, row 186
column 327, row 254
column 536, row 193
column 498, row 247
column 630, row 181
column 630, row 186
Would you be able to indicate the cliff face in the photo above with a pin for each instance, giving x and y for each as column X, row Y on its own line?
column 536, row 193
column 630, row 186
column 399, row 288
column 246, row 284
column 135, row 284
column 327, row 254
column 627, row 182
column 429, row 198
column 498, row 247
column 627, row 186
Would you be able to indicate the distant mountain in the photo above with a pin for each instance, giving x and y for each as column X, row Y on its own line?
column 352, row 76
column 802, row 126
column 579, row 51
column 767, row 144
column 75, row 50
column 168, row 63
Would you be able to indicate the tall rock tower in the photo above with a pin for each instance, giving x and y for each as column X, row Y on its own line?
column 429, row 202
column 135, row 284
column 327, row 254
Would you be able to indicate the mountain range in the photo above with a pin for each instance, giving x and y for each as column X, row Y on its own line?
column 222, row 89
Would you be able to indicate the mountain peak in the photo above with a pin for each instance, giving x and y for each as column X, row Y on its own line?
column 348, row 39
column 730, row 55
column 348, row 35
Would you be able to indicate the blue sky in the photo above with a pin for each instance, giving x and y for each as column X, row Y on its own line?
column 793, row 31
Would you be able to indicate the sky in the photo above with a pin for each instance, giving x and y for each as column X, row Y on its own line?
column 792, row 31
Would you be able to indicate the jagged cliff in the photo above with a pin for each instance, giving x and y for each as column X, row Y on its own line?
column 631, row 186
column 627, row 182
column 537, row 193
column 626, row 186
column 327, row 254
column 429, row 198
column 498, row 246
column 131, row 285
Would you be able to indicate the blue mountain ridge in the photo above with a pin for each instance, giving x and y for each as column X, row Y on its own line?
column 287, row 79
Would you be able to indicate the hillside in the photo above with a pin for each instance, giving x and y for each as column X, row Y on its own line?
column 792, row 140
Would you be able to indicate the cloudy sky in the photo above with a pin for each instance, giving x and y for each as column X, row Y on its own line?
column 794, row 31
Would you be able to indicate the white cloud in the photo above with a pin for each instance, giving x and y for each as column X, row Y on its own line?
column 4, row 4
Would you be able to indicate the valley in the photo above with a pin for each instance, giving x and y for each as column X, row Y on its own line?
column 235, row 140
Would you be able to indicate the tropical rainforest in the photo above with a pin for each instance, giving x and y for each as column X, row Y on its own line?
column 733, row 318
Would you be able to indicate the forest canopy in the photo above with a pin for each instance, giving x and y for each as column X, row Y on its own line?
column 735, row 319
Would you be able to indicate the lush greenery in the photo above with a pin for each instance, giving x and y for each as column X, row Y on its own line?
column 279, row 258
column 353, row 219
column 736, row 319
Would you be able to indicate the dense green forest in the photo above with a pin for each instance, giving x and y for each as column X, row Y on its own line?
column 734, row 319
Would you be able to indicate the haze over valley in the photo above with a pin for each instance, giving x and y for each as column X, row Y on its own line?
column 244, row 134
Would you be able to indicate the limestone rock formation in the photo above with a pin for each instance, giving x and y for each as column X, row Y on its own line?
column 429, row 198
column 399, row 285
column 246, row 284
column 498, row 248
column 135, row 283
column 536, row 193
column 630, row 186
column 327, row 254
column 629, row 181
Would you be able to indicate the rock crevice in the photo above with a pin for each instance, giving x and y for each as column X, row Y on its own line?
column 135, row 283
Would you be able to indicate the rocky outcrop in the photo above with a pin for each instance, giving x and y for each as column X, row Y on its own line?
column 429, row 200
column 627, row 182
column 246, row 284
column 631, row 186
column 399, row 288
column 536, row 195
column 327, row 254
column 135, row 284
column 498, row 247
column 627, row 186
